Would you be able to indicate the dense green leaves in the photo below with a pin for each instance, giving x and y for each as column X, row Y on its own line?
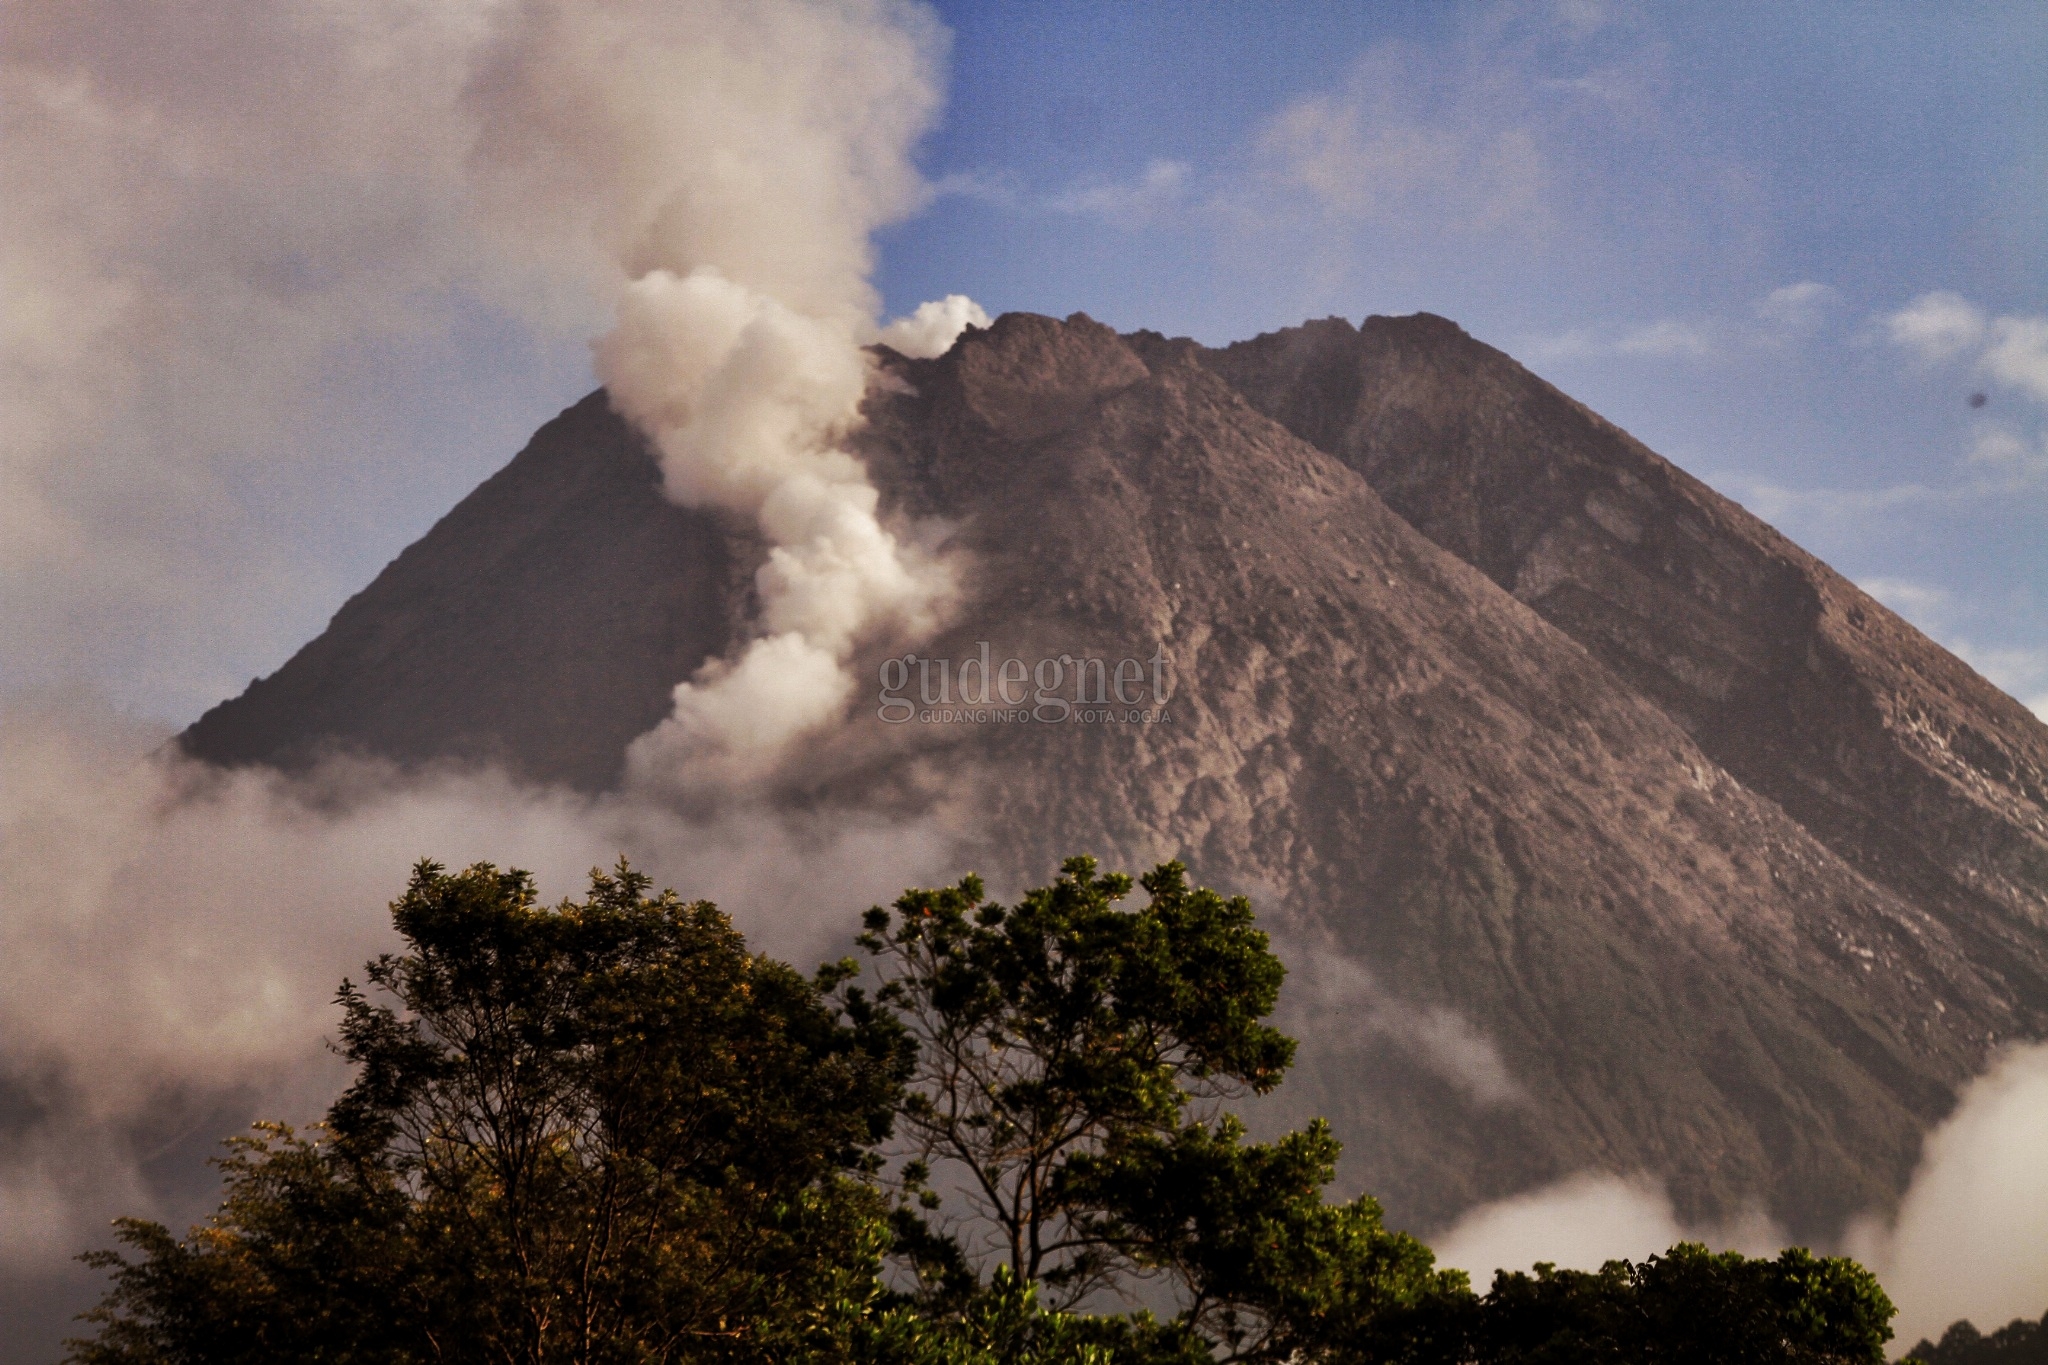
column 2019, row 1342
column 1687, row 1307
column 598, row 1132
column 1270, row 1270
column 307, row 1259
column 1071, row 1055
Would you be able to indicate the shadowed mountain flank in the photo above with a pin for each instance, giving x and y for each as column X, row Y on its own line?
column 542, row 624
column 1546, row 762
column 1888, row 748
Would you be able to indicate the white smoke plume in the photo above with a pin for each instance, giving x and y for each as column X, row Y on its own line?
column 1971, row 1236
column 746, row 400
column 1339, row 1008
column 931, row 330
column 732, row 162
column 240, row 254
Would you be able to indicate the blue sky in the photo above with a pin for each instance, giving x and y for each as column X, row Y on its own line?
column 1611, row 193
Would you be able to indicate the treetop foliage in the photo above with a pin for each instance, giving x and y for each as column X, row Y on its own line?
column 2022, row 1341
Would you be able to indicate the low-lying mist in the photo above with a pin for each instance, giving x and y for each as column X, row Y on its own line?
column 173, row 936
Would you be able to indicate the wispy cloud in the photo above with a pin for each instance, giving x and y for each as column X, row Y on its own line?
column 1940, row 327
column 1357, row 157
column 2000, row 464
column 1129, row 203
column 995, row 187
column 1799, row 309
column 1788, row 314
column 1777, row 503
column 1924, row 605
column 1666, row 338
column 2020, row 673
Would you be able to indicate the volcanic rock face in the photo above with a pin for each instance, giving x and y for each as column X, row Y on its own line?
column 542, row 623
column 1606, row 828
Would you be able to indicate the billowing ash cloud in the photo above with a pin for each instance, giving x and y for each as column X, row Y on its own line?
column 745, row 399
column 210, row 222
column 241, row 258
column 733, row 162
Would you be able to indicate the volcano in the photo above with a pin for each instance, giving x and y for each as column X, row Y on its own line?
column 1607, row 829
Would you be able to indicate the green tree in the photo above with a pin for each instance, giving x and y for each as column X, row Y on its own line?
column 598, row 1132
column 2022, row 1341
column 1686, row 1307
column 1072, row 1058
column 606, row 1132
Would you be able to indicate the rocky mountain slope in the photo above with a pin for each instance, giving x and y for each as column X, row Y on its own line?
column 1607, row 829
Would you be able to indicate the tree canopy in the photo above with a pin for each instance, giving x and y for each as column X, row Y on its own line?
column 605, row 1131
column 601, row 1131
column 2022, row 1341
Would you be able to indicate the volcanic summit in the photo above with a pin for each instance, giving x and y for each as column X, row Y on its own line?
column 1616, row 831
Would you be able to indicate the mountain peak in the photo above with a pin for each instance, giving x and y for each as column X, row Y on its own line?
column 1617, row 831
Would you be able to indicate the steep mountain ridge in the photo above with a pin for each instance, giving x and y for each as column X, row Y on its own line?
column 1891, row 750
column 1545, row 921
column 542, row 623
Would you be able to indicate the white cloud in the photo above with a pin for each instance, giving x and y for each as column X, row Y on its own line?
column 1162, row 185
column 1944, row 326
column 1971, row 1236
column 2018, row 354
column 1797, row 308
column 1665, row 338
column 1582, row 1222
column 1937, row 326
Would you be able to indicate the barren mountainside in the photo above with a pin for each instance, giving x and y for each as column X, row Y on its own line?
column 1609, row 829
